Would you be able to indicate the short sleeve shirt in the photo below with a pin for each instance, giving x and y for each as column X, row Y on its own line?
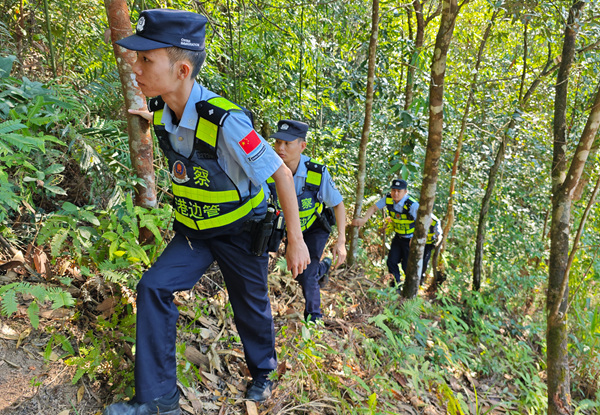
column 328, row 192
column 241, row 152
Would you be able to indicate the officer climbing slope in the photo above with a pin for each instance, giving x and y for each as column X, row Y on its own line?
column 434, row 237
column 317, row 196
column 217, row 163
column 402, row 210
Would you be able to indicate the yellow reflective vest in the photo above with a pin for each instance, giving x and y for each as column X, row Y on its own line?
column 206, row 201
column 404, row 222
column 309, row 205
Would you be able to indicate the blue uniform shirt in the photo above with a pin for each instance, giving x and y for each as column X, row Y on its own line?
column 240, row 164
column 328, row 193
column 399, row 207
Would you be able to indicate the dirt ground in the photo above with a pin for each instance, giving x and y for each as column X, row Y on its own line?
column 29, row 386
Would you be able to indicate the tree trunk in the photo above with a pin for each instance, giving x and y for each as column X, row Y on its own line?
column 449, row 218
column 485, row 203
column 410, row 72
column 419, row 39
column 140, row 139
column 364, row 138
column 450, row 10
column 563, row 186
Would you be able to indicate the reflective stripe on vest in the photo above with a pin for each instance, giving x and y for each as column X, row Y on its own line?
column 222, row 220
column 403, row 222
column 431, row 233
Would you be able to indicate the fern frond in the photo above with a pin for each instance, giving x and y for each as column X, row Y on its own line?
column 60, row 298
column 9, row 303
column 57, row 241
column 10, row 126
column 23, row 142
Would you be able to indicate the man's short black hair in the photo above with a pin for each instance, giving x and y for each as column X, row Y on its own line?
column 196, row 58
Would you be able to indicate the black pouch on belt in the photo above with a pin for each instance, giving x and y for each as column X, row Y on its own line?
column 262, row 232
column 278, row 232
column 323, row 222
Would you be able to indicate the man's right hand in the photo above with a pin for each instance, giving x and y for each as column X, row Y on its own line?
column 359, row 222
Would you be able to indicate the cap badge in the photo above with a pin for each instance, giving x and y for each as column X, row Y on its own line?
column 284, row 127
column 140, row 24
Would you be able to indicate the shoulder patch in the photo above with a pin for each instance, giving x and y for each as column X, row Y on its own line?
column 250, row 142
column 311, row 165
column 212, row 113
column 156, row 104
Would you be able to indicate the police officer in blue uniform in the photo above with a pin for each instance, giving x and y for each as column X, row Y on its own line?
column 434, row 237
column 317, row 196
column 402, row 209
column 217, row 163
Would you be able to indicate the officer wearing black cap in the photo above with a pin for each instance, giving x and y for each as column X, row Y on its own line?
column 317, row 196
column 217, row 163
column 402, row 209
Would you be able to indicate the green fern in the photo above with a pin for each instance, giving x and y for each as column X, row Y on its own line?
column 41, row 294
column 57, row 241
column 9, row 300
column 10, row 126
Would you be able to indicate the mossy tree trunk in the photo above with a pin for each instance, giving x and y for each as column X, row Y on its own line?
column 564, row 185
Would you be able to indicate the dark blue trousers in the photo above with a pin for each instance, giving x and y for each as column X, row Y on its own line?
column 179, row 267
column 315, row 240
column 399, row 251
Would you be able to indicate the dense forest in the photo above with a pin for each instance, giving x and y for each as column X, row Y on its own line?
column 489, row 110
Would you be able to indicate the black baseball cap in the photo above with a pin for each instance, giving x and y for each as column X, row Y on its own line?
column 289, row 130
column 399, row 184
column 163, row 28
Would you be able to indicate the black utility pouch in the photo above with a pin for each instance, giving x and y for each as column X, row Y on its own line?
column 323, row 221
column 262, row 232
column 278, row 232
column 329, row 215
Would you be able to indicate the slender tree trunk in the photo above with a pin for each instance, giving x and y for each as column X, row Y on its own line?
column 140, row 139
column 422, row 23
column 485, row 202
column 563, row 186
column 450, row 10
column 419, row 36
column 364, row 139
column 449, row 218
column 485, row 207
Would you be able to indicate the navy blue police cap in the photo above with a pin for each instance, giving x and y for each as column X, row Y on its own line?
column 399, row 184
column 289, row 130
column 163, row 28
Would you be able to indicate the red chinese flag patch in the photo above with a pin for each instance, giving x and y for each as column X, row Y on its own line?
column 250, row 142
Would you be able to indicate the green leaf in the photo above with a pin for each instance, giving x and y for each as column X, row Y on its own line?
column 33, row 311
column 6, row 65
column 54, row 169
column 89, row 217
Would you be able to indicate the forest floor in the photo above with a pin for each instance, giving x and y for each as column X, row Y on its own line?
column 30, row 384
